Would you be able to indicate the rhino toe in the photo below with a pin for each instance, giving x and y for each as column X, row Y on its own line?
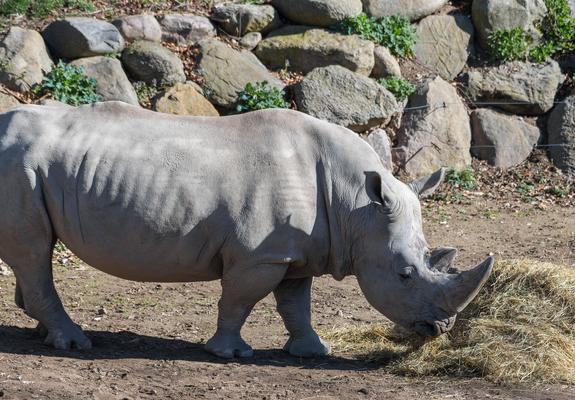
column 65, row 339
column 228, row 346
column 307, row 346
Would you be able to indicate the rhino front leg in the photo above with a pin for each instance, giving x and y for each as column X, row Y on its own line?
column 242, row 288
column 293, row 298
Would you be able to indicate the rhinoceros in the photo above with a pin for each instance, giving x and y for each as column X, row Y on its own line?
column 263, row 201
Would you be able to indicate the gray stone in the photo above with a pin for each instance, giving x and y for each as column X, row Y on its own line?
column 340, row 96
column 78, row 37
column 318, row 12
column 412, row 9
column 500, row 139
column 111, row 80
column 227, row 71
column 445, row 43
column 7, row 102
column 251, row 40
column 152, row 63
column 572, row 7
column 491, row 15
column 186, row 28
column 385, row 63
column 139, row 27
column 435, row 135
column 23, row 59
column 239, row 19
column 380, row 142
column 184, row 99
column 305, row 48
column 533, row 86
column 561, row 131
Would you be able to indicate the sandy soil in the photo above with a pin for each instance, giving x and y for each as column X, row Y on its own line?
column 148, row 337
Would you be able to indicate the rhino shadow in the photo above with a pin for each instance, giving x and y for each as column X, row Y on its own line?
column 130, row 345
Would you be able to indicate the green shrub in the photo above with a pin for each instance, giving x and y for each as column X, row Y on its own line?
column 400, row 87
column 558, row 26
column 464, row 178
column 394, row 32
column 68, row 84
column 260, row 96
column 509, row 44
column 42, row 8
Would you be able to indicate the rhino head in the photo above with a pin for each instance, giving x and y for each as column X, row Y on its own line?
column 400, row 276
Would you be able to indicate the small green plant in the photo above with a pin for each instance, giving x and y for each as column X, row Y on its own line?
column 68, row 84
column 260, row 96
column 401, row 88
column 42, row 8
column 559, row 191
column 394, row 32
column 145, row 93
column 464, row 178
column 509, row 44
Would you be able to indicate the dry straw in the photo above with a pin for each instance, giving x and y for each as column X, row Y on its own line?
column 520, row 328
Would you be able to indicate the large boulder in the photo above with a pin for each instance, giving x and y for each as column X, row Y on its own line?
column 385, row 64
column 338, row 95
column 239, row 19
column 23, row 59
column 446, row 42
column 7, row 102
column 318, row 12
column 227, row 71
column 518, row 87
column 139, row 27
column 412, row 9
column 186, row 28
column 111, row 80
column 491, row 15
column 500, row 139
column 305, row 48
column 435, row 132
column 379, row 141
column 152, row 63
column 78, row 37
column 561, row 131
column 184, row 99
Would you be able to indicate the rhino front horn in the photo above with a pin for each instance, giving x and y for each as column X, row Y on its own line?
column 464, row 286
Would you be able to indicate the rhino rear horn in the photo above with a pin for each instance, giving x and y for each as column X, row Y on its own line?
column 425, row 186
column 463, row 287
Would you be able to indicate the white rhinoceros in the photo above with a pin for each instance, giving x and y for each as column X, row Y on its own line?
column 263, row 201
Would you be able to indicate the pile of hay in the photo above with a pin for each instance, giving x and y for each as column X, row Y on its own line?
column 521, row 327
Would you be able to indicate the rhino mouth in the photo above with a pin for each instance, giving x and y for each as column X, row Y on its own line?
column 433, row 328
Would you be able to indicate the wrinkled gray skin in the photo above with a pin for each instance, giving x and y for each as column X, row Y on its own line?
column 263, row 201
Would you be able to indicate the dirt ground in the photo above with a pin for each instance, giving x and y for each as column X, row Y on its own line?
column 148, row 337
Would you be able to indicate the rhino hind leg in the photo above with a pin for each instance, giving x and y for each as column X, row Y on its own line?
column 26, row 244
column 242, row 288
column 19, row 300
column 293, row 297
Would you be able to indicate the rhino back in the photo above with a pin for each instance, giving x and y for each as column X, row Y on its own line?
column 148, row 196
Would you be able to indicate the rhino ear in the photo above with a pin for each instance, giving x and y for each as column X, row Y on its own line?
column 425, row 186
column 376, row 192
column 442, row 258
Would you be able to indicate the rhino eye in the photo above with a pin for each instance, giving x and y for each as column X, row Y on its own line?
column 405, row 273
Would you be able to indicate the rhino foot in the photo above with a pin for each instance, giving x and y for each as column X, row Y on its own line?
column 228, row 346
column 307, row 346
column 66, row 338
